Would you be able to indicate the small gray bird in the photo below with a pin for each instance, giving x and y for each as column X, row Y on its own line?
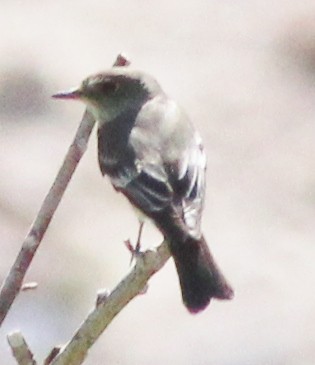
column 154, row 156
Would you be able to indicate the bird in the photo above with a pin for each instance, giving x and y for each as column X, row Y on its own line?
column 152, row 153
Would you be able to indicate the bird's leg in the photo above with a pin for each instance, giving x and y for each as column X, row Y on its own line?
column 138, row 244
column 135, row 251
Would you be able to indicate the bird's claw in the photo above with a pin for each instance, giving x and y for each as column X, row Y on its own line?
column 134, row 251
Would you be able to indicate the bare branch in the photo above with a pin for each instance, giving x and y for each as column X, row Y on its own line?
column 107, row 306
column 147, row 264
column 13, row 282
column 20, row 349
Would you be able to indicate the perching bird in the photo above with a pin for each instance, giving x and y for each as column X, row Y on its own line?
column 153, row 155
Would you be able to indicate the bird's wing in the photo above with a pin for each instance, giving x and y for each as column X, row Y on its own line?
column 145, row 185
column 169, row 164
column 189, row 186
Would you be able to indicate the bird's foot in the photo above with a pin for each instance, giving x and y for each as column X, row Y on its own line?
column 135, row 254
column 134, row 251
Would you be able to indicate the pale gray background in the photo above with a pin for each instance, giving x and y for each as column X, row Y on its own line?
column 244, row 71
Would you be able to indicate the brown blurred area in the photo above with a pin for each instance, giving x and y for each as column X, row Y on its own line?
column 245, row 73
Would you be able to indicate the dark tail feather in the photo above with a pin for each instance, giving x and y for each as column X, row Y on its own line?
column 199, row 276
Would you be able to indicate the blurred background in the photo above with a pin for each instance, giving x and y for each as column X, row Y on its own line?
column 244, row 72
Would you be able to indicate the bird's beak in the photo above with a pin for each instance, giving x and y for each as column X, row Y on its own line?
column 75, row 93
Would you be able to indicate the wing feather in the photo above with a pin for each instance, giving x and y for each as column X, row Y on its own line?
column 169, row 166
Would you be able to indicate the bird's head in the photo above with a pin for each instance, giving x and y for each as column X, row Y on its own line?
column 109, row 93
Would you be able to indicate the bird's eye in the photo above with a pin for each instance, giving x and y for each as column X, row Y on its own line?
column 108, row 87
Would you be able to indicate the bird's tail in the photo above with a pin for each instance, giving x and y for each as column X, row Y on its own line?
column 199, row 276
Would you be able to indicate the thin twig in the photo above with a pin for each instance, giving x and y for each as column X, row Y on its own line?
column 13, row 282
column 20, row 349
column 29, row 286
column 148, row 263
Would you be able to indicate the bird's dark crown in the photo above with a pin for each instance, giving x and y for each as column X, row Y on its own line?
column 113, row 93
column 119, row 83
